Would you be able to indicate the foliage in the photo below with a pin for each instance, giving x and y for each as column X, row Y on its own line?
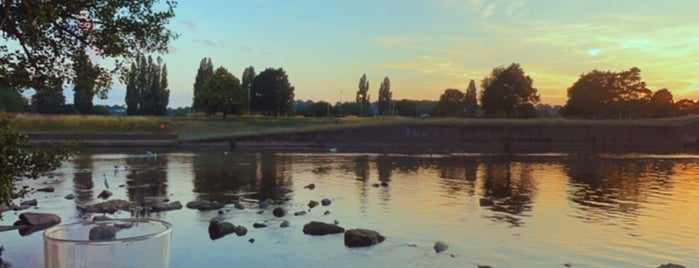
column 363, row 95
column 272, row 94
column 317, row 109
column 508, row 92
column 606, row 94
column 84, row 84
column 471, row 100
column 206, row 70
column 146, row 88
column 662, row 103
column 17, row 163
column 49, row 100
column 41, row 38
column 385, row 97
column 12, row 101
column 248, row 77
column 222, row 93
column 451, row 103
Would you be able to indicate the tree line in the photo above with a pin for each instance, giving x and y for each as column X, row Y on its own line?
column 219, row 91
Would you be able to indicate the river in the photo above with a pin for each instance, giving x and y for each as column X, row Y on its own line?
column 550, row 210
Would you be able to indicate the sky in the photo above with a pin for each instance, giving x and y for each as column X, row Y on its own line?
column 427, row 46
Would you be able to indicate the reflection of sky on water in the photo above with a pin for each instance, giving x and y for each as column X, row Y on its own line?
column 614, row 210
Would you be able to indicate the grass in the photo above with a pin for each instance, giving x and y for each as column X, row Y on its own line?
column 198, row 127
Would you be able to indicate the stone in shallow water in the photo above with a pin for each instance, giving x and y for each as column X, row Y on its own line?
column 204, row 205
column 671, row 265
column 279, row 212
column 220, row 229
column 321, row 228
column 284, row 224
column 325, row 202
column 362, row 238
column 103, row 233
column 313, row 203
column 440, row 246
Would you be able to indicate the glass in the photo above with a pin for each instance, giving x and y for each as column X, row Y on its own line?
column 109, row 243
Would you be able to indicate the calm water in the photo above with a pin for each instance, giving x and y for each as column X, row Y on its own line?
column 585, row 210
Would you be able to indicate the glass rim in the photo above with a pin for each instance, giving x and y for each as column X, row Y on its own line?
column 167, row 230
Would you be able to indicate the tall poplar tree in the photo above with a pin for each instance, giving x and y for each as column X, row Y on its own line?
column 206, row 70
column 471, row 100
column 363, row 95
column 84, row 84
column 385, row 96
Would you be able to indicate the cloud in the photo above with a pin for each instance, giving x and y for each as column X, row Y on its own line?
column 489, row 10
column 210, row 43
column 190, row 24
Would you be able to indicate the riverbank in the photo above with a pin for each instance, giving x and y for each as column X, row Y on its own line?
column 390, row 134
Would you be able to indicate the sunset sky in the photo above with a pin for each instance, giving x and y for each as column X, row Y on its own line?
column 427, row 46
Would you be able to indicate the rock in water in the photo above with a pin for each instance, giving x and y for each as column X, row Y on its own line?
column 312, row 203
column 105, row 194
column 321, row 228
column 31, row 219
column 110, row 206
column 362, row 238
column 325, row 202
column 284, row 224
column 220, row 229
column 484, row 202
column 241, row 230
column 440, row 246
column 300, row 213
column 671, row 265
column 103, row 233
column 204, row 205
column 70, row 196
column 167, row 206
column 259, row 225
column 310, row 186
column 30, row 203
column 265, row 203
column 46, row 189
column 238, row 205
column 279, row 212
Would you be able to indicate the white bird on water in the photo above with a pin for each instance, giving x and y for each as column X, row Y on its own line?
column 106, row 183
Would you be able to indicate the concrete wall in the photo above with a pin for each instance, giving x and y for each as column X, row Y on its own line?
column 496, row 138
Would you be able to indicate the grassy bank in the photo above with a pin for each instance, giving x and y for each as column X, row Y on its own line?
column 193, row 128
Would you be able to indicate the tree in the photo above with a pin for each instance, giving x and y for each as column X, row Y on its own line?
column 206, row 69
column 12, row 101
column 662, row 103
column 606, row 94
column 222, row 93
column 49, row 101
column 41, row 39
column 508, row 92
column 16, row 162
column 363, row 95
column 84, row 84
column 146, row 89
column 272, row 93
column 248, row 77
column 163, row 96
column 385, row 97
column 45, row 36
column 471, row 100
column 451, row 103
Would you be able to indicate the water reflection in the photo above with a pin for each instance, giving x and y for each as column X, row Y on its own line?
column 511, row 185
column 147, row 182
column 227, row 178
column 608, row 188
column 82, row 179
column 459, row 174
